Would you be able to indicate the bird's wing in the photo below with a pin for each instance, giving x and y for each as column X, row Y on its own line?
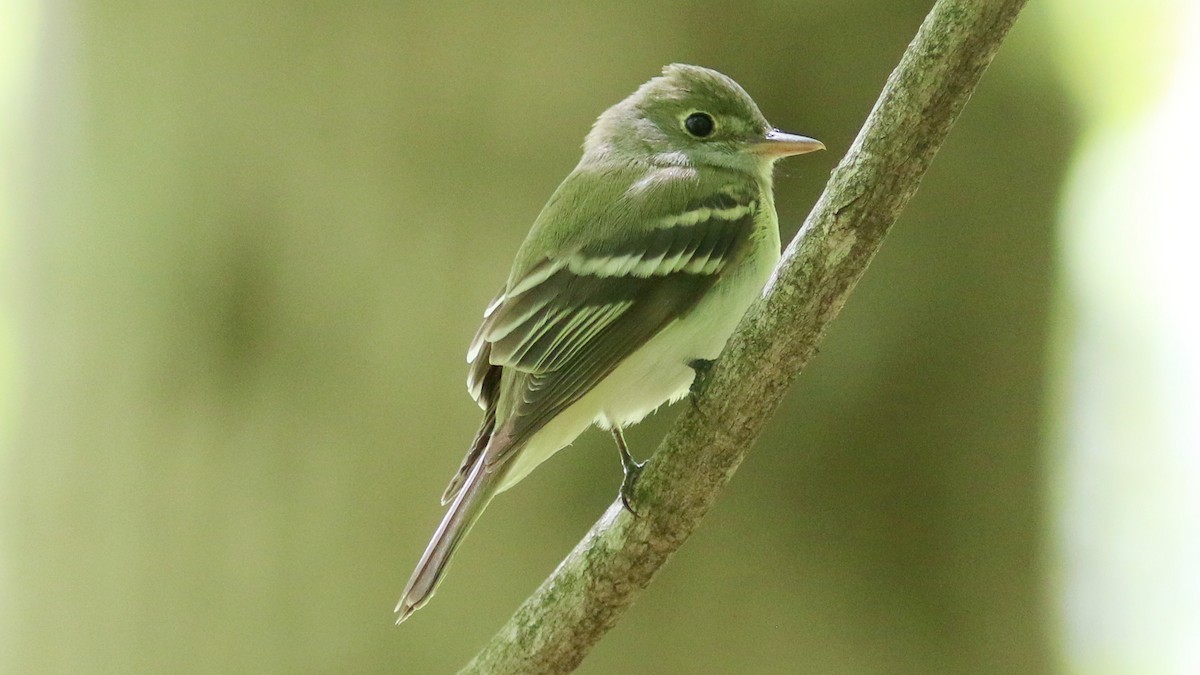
column 483, row 381
column 572, row 317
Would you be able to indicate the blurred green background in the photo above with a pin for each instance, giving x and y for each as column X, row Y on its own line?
column 244, row 247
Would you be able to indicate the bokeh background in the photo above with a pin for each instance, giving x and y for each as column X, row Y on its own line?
column 243, row 247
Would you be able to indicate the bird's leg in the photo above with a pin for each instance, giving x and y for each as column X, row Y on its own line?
column 632, row 468
column 701, row 368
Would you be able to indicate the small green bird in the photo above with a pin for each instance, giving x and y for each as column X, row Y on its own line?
column 635, row 273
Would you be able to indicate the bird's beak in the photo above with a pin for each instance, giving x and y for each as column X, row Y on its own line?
column 777, row 144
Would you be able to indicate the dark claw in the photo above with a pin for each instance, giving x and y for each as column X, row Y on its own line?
column 632, row 471
column 701, row 366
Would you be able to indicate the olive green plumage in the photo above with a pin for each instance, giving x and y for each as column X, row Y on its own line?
column 641, row 264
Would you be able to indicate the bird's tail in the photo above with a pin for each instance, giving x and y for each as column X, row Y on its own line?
column 474, row 495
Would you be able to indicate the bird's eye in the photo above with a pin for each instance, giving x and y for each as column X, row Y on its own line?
column 699, row 124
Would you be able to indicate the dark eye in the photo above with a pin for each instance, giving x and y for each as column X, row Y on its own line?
column 699, row 124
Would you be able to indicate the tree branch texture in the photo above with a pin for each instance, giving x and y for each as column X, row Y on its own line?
column 556, row 627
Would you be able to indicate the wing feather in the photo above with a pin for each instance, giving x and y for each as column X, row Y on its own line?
column 572, row 319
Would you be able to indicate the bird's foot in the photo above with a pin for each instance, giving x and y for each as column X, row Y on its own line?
column 632, row 469
column 701, row 367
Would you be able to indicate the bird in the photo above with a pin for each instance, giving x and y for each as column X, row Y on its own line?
column 630, row 281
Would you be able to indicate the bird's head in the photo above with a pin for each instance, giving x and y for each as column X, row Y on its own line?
column 693, row 116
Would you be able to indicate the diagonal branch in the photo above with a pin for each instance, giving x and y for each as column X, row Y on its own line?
column 554, row 629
